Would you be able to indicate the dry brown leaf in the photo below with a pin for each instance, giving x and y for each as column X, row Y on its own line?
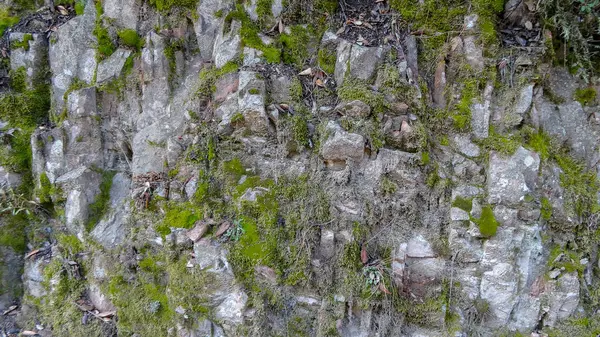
column 341, row 30
column 28, row 333
column 320, row 83
column 383, row 289
column 358, row 23
column 364, row 257
column 32, row 253
column 284, row 106
column 306, row 72
column 281, row 28
column 9, row 310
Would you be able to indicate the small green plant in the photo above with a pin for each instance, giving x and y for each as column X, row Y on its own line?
column 546, row 209
column 235, row 232
column 6, row 19
column 372, row 275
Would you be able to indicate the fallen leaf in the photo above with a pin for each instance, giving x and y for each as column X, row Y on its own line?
column 383, row 289
column 368, row 25
column 284, row 106
column 364, row 257
column 320, row 83
column 357, row 22
column 28, row 333
column 32, row 253
column 107, row 314
column 62, row 10
column 9, row 310
column 341, row 30
column 306, row 72
column 280, row 27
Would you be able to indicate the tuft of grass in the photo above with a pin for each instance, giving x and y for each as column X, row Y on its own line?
column 541, row 143
column 249, row 34
column 355, row 89
column 294, row 46
column 327, row 59
column 80, row 7
column 580, row 185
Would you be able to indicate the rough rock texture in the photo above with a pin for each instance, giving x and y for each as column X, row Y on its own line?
column 210, row 191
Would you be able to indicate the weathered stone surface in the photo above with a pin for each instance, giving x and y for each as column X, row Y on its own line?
column 112, row 229
column 33, row 277
column 465, row 146
column 563, row 298
column 327, row 244
column 73, row 54
column 208, row 25
column 353, row 109
column 9, row 179
column 511, row 179
column 499, row 289
column 228, row 46
column 111, row 67
column 341, row 145
column 279, row 89
column 480, row 114
column 32, row 58
column 524, row 100
column 123, row 12
column 99, row 300
column 363, row 62
column 251, row 102
column 473, row 52
column 252, row 56
column 10, row 276
column 419, row 247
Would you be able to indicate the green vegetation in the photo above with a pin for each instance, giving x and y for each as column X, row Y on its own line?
column 576, row 326
column 6, row 19
column 546, row 209
column 585, row 96
column 146, row 301
column 209, row 76
column 130, row 38
column 294, row 48
column 105, row 47
column 80, row 7
column 23, row 43
column 249, row 34
column 12, row 233
column 541, row 143
column 46, row 189
column 327, row 59
column 179, row 216
column 167, row 5
column 580, row 185
column 99, row 207
column 356, row 89
column 487, row 222
column 505, row 145
column 564, row 258
column 466, row 204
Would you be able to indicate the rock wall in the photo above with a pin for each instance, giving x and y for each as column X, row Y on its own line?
column 212, row 168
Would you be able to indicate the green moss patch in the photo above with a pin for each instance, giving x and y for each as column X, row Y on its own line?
column 6, row 19
column 585, row 96
column 167, row 5
column 466, row 204
column 23, row 43
column 130, row 38
column 487, row 222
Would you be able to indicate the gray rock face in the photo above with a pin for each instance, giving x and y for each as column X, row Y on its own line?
column 10, row 276
column 341, row 145
column 208, row 25
column 227, row 299
column 511, row 179
column 362, row 62
column 480, row 114
column 73, row 54
column 568, row 123
column 353, row 109
column 33, row 276
column 111, row 68
column 123, row 12
column 251, row 102
column 33, row 58
column 112, row 229
column 9, row 179
column 228, row 46
column 563, row 298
